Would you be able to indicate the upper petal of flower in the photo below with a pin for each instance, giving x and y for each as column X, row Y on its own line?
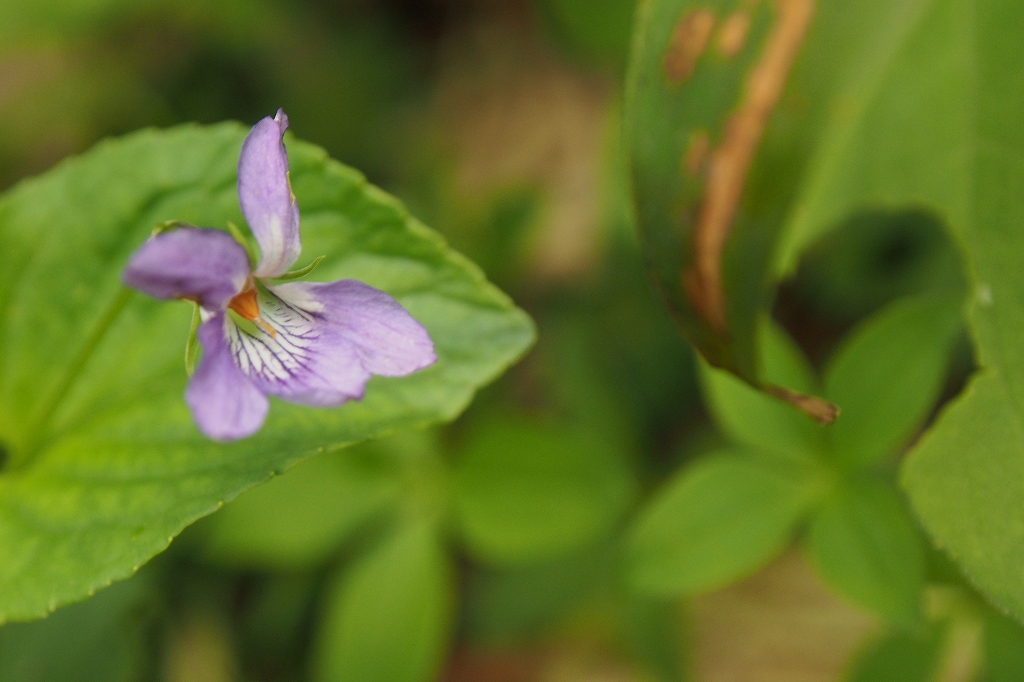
column 203, row 265
column 304, row 361
column 265, row 193
column 388, row 340
column 224, row 402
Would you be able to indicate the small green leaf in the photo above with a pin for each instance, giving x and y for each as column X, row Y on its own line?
column 299, row 519
column 300, row 273
column 388, row 617
column 528, row 490
column 755, row 418
column 866, row 545
column 901, row 657
column 192, row 346
column 887, row 376
column 717, row 520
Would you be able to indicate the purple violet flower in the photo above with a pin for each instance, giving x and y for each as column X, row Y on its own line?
column 309, row 343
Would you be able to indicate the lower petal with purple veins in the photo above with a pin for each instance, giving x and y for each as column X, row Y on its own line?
column 387, row 339
column 225, row 404
column 296, row 356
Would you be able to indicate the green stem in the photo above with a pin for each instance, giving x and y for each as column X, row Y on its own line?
column 24, row 455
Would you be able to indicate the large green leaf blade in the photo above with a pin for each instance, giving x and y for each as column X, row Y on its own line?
column 115, row 467
column 387, row 618
column 716, row 521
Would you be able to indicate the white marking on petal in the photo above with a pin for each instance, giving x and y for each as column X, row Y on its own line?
column 299, row 297
column 279, row 357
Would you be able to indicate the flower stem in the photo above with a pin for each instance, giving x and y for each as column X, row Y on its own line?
column 22, row 456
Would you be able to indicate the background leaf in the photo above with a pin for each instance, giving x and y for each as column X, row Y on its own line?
column 866, row 546
column 932, row 125
column 299, row 519
column 526, row 490
column 716, row 521
column 891, row 106
column 389, row 615
column 684, row 93
column 755, row 418
column 1004, row 648
column 101, row 640
column 112, row 466
column 887, row 376
column 900, row 657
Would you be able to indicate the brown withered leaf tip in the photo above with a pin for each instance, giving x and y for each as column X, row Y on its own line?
column 818, row 409
column 689, row 40
column 730, row 161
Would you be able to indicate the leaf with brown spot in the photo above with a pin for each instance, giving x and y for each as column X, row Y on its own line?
column 709, row 199
column 732, row 36
column 689, row 40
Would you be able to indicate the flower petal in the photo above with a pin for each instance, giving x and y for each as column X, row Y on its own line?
column 305, row 361
column 388, row 340
column 203, row 265
column 265, row 193
column 224, row 403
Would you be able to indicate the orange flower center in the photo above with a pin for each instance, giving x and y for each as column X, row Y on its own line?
column 245, row 304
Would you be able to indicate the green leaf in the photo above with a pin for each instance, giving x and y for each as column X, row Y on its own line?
column 755, row 418
column 678, row 95
column 108, row 464
column 887, row 376
column 1004, row 648
column 932, row 123
column 901, row 657
column 714, row 140
column 388, row 617
column 717, row 520
column 101, row 640
column 528, row 490
column 864, row 543
column 299, row 519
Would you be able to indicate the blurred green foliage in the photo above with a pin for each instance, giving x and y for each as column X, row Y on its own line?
column 611, row 477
